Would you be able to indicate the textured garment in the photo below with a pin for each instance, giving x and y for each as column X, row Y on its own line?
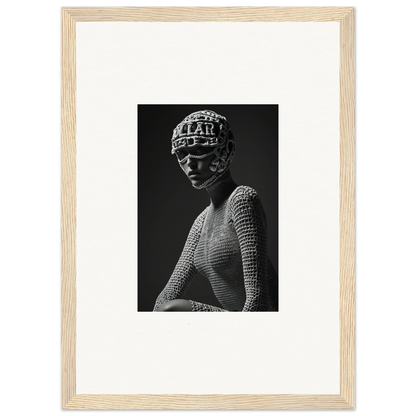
column 228, row 245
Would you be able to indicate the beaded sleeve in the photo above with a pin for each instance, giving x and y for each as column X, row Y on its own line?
column 250, row 225
column 185, row 269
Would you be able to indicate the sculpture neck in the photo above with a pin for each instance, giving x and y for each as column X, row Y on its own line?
column 221, row 189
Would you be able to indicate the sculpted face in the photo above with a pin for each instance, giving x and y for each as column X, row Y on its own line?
column 195, row 162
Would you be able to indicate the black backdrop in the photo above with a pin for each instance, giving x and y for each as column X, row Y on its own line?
column 168, row 204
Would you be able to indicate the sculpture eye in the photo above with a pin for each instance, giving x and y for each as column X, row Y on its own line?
column 181, row 154
column 200, row 150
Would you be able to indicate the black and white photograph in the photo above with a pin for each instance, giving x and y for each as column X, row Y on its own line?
column 208, row 208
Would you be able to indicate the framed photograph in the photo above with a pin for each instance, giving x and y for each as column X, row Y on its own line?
column 208, row 166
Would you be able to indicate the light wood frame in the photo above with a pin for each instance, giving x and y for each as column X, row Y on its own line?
column 346, row 398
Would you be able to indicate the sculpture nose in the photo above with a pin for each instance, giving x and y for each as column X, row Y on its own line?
column 191, row 162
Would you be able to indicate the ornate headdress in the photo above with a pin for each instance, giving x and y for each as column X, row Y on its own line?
column 207, row 129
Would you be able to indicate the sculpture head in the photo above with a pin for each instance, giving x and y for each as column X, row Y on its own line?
column 204, row 145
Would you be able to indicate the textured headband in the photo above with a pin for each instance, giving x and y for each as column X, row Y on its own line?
column 202, row 128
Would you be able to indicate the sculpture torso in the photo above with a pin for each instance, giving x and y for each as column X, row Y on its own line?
column 218, row 257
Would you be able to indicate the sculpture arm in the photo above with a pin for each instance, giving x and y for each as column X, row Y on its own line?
column 185, row 269
column 203, row 307
column 249, row 221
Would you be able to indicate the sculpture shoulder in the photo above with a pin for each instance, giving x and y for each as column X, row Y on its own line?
column 243, row 195
column 245, row 203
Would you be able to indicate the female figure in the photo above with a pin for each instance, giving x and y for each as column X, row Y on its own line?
column 227, row 242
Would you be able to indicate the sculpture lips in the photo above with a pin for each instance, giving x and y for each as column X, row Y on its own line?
column 193, row 173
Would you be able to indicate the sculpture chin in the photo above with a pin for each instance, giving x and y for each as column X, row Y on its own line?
column 214, row 179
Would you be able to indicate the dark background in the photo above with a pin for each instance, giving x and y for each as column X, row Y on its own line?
column 168, row 204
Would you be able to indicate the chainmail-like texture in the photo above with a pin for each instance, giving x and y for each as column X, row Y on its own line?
column 228, row 245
